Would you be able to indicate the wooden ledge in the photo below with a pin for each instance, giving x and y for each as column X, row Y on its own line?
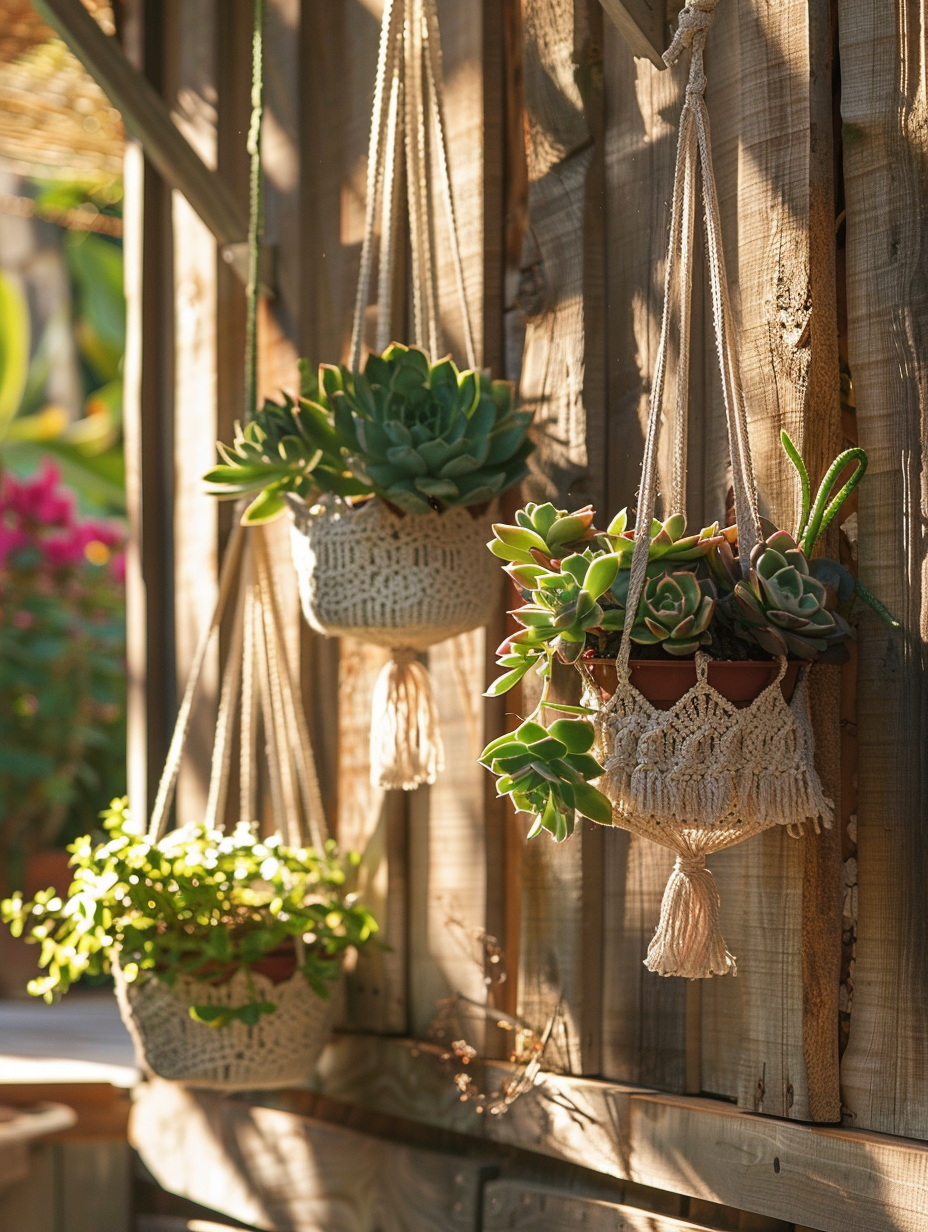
column 828, row 1177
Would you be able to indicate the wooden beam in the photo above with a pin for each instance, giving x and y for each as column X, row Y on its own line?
column 147, row 118
column 836, row 1180
column 517, row 1205
column 643, row 25
column 287, row 1173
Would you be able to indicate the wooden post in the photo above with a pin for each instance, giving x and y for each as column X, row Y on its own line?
column 148, row 442
column 883, row 106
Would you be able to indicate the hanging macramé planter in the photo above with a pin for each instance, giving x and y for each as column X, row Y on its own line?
column 390, row 475
column 702, row 732
column 245, row 1000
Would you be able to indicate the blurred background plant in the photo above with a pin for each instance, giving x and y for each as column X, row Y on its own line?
column 62, row 491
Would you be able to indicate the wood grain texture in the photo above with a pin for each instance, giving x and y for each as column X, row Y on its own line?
column 371, row 822
column 191, row 60
column 522, row 1205
column 561, row 955
column 885, row 114
column 287, row 1173
column 643, row 24
column 147, row 392
column 447, row 846
column 644, row 1019
column 758, row 65
column 837, row 1180
column 556, row 40
column 562, row 377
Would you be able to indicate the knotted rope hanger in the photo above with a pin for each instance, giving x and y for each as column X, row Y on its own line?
column 408, row 116
column 694, row 152
column 702, row 775
column 257, row 678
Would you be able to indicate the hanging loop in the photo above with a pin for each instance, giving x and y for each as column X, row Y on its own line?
column 694, row 150
column 408, row 118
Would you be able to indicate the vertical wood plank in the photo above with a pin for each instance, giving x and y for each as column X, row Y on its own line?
column 447, row 840
column 763, row 142
column 148, row 434
column 457, row 847
column 562, row 297
column 371, row 822
column 190, row 33
column 885, row 114
column 644, row 1018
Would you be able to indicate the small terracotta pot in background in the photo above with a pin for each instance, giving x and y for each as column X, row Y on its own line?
column 663, row 683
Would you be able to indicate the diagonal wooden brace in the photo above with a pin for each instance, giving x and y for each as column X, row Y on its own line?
column 644, row 24
column 148, row 119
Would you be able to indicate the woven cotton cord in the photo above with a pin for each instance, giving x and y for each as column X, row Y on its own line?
column 694, row 147
column 408, row 115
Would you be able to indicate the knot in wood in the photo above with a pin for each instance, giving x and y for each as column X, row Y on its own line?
column 532, row 297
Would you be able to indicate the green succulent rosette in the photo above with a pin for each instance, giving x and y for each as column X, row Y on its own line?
column 423, row 436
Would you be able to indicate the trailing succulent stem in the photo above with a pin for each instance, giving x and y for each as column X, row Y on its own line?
column 548, row 772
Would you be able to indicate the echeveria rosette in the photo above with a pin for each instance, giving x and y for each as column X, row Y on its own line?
column 547, row 772
column 670, row 544
column 563, row 608
column 675, row 611
column 425, row 435
column 781, row 606
column 543, row 535
column 288, row 447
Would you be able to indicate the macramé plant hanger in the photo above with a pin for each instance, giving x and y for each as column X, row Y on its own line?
column 403, row 582
column 704, row 774
column 259, row 688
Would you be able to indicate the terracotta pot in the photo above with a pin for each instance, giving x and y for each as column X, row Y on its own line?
column 278, row 966
column 663, row 683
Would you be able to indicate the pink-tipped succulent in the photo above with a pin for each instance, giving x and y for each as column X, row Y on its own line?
column 781, row 606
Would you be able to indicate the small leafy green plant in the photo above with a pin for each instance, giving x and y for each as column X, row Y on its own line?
column 198, row 902
column 421, row 435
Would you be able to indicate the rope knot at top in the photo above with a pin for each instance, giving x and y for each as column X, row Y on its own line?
column 693, row 26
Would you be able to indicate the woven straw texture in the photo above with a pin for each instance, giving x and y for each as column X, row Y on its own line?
column 401, row 582
column 280, row 1050
column 54, row 118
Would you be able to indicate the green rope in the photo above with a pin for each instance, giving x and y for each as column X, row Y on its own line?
column 255, row 212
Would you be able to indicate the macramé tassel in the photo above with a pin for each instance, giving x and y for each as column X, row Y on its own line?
column 688, row 940
column 406, row 747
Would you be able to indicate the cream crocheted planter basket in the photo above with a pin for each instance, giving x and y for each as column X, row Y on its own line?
column 280, row 1050
column 401, row 582
column 700, row 777
column 404, row 582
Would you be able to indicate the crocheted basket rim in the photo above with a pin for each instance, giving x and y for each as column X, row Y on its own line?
column 280, row 1050
column 397, row 581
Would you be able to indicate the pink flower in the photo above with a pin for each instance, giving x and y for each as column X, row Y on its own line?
column 11, row 539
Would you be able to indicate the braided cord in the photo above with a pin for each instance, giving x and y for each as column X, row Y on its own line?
column 255, row 211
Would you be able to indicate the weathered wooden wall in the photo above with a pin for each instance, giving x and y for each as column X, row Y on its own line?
column 586, row 290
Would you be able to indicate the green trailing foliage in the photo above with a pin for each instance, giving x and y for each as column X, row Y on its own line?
column 198, row 902
column 421, row 435
column 574, row 581
column 547, row 772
